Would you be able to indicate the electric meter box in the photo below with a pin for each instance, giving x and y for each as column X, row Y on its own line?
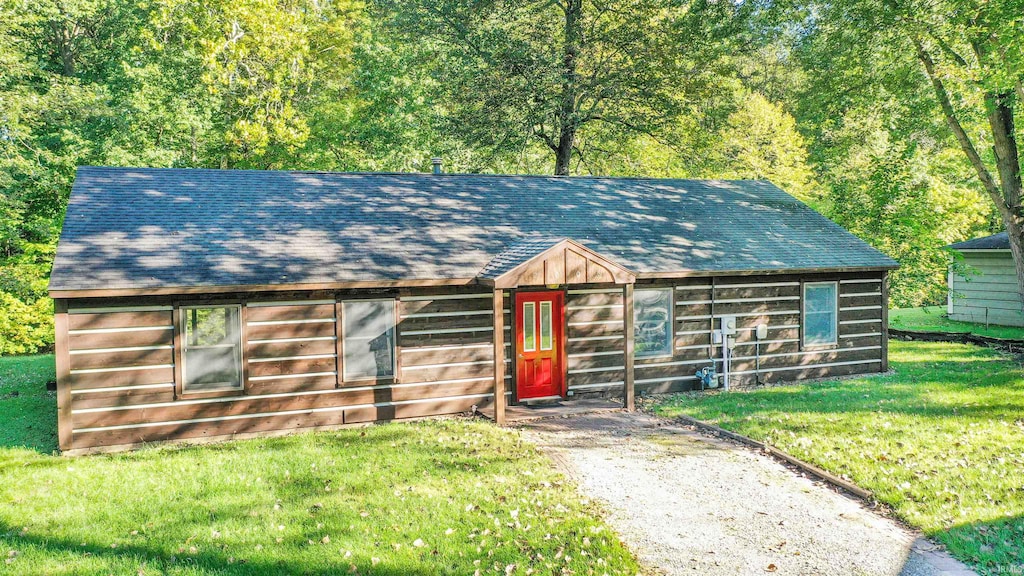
column 728, row 325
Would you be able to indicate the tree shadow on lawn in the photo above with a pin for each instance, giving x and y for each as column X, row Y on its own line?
column 221, row 562
column 108, row 495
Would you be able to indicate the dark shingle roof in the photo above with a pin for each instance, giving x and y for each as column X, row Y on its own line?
column 148, row 228
column 994, row 242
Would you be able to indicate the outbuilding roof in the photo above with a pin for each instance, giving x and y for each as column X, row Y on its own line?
column 147, row 228
column 1000, row 241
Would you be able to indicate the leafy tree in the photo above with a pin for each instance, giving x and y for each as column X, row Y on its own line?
column 761, row 141
column 883, row 191
column 512, row 75
column 967, row 60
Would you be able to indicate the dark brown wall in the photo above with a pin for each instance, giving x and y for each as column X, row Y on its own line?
column 118, row 379
column 596, row 361
column 121, row 379
column 596, row 345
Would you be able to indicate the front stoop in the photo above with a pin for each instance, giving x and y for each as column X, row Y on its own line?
column 562, row 409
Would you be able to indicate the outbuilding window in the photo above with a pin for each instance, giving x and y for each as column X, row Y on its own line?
column 652, row 322
column 820, row 313
column 211, row 348
column 369, row 339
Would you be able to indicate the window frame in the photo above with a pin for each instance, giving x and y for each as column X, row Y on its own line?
column 671, row 321
column 342, row 364
column 182, row 346
column 804, row 344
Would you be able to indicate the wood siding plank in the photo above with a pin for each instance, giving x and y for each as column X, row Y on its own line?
column 108, row 320
column 280, row 331
column 293, row 312
column 296, row 366
column 158, row 337
column 158, row 375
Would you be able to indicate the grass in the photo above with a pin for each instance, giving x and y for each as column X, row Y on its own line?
column 940, row 441
column 28, row 413
column 432, row 497
column 933, row 319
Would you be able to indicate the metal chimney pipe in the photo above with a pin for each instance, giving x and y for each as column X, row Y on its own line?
column 437, row 164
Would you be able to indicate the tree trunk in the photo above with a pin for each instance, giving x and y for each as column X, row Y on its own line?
column 1004, row 146
column 63, row 40
column 567, row 120
column 1006, row 193
column 563, row 154
column 1015, row 230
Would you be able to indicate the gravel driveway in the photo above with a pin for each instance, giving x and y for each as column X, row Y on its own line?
column 690, row 504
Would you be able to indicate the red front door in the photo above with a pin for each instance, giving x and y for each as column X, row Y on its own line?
column 540, row 349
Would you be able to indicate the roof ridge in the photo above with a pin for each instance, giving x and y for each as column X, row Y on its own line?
column 424, row 174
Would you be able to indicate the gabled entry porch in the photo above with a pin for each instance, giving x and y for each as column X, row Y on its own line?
column 537, row 273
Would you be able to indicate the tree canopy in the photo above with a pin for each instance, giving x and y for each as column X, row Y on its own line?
column 867, row 109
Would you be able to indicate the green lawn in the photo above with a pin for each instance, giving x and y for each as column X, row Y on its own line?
column 433, row 497
column 933, row 319
column 941, row 441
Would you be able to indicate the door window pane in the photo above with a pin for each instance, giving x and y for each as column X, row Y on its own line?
column 529, row 326
column 545, row 326
column 211, row 349
column 652, row 322
column 369, row 339
column 820, row 324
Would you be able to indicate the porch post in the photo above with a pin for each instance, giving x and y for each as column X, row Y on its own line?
column 499, row 357
column 629, row 402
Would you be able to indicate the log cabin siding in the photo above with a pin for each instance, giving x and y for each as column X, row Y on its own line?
column 119, row 377
column 122, row 377
column 595, row 343
column 595, row 340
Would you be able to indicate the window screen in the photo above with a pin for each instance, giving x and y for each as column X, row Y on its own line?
column 820, row 313
column 369, row 339
column 211, row 348
column 652, row 322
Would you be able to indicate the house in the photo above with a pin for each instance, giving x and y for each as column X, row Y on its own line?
column 215, row 303
column 985, row 289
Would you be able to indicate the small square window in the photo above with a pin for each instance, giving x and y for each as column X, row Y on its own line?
column 652, row 322
column 820, row 313
column 211, row 348
column 369, row 339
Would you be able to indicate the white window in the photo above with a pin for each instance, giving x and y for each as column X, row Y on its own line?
column 211, row 348
column 369, row 339
column 652, row 322
column 820, row 313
